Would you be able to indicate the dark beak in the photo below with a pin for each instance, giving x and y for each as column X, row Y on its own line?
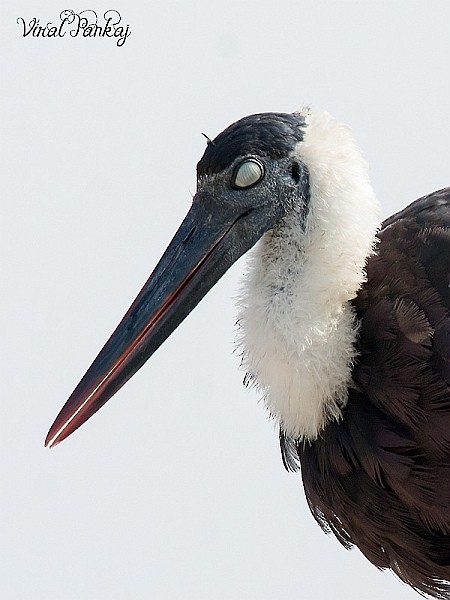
column 214, row 234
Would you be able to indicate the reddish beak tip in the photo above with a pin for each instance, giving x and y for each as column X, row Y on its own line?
column 53, row 437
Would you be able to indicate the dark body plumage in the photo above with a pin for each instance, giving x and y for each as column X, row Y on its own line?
column 380, row 477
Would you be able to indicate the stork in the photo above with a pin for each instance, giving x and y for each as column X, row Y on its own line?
column 344, row 327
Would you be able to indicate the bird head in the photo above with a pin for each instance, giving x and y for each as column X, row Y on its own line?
column 248, row 180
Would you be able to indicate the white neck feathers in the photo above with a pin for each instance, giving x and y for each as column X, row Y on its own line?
column 297, row 326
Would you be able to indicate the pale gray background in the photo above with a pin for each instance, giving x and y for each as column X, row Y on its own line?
column 176, row 488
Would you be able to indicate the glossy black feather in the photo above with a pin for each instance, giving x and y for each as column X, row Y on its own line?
column 380, row 477
column 264, row 134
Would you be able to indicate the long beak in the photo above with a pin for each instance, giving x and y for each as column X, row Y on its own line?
column 211, row 238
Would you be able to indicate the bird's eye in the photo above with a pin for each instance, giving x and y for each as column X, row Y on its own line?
column 295, row 172
column 247, row 173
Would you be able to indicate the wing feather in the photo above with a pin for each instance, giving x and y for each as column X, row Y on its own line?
column 380, row 478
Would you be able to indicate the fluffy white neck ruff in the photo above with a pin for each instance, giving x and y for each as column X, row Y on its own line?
column 297, row 326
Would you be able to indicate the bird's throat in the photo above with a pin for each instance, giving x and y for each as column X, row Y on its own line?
column 297, row 326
